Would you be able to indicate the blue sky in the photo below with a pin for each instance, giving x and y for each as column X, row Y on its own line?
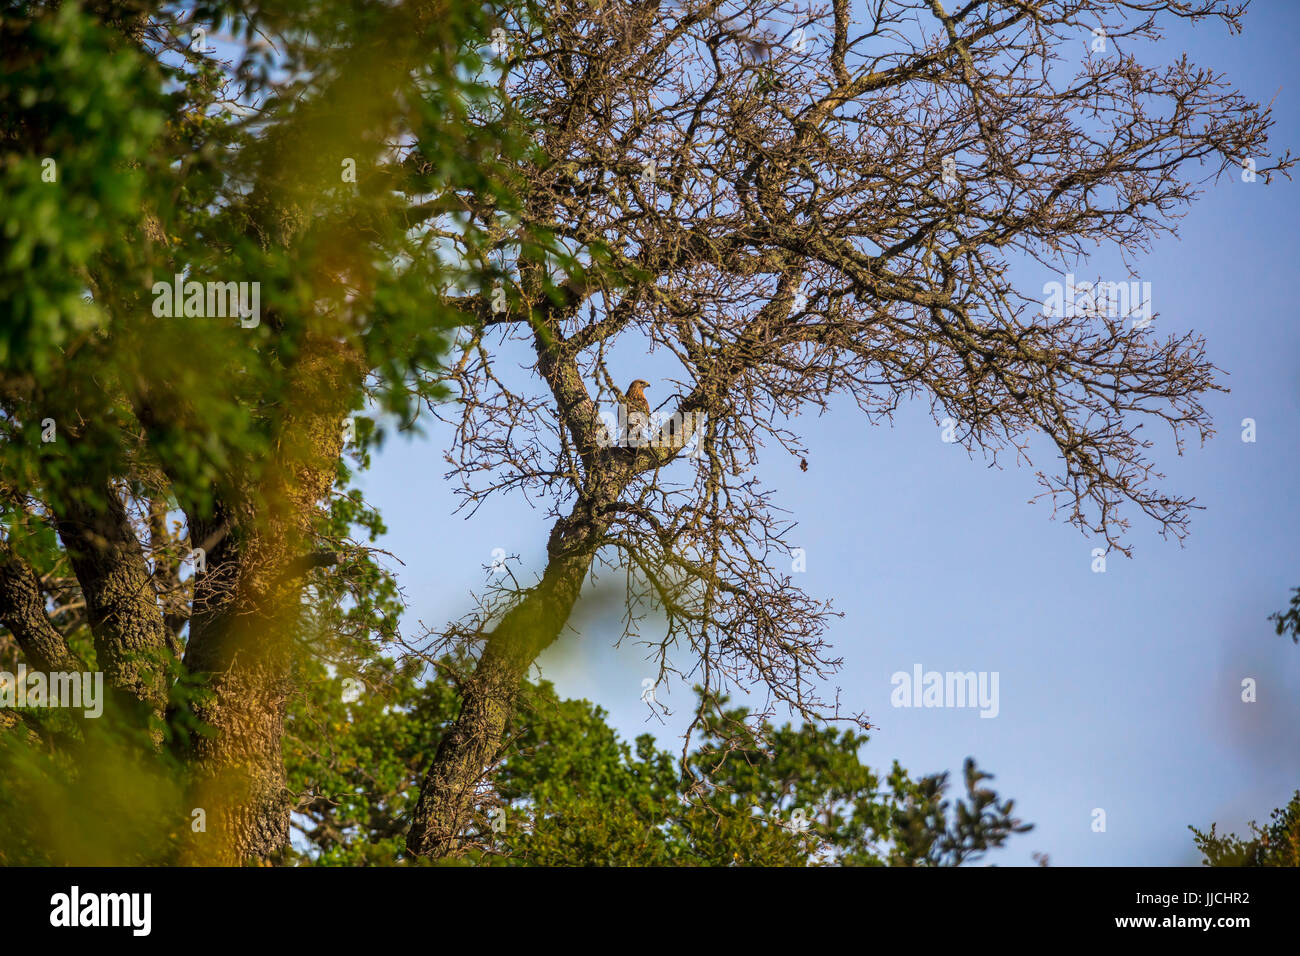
column 1119, row 691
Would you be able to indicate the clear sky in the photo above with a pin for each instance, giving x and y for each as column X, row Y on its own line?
column 1119, row 691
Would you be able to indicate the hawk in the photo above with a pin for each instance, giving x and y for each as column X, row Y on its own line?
column 638, row 408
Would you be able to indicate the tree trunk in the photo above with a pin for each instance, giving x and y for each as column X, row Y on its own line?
column 121, row 606
column 238, row 769
column 471, row 745
column 246, row 610
column 22, row 611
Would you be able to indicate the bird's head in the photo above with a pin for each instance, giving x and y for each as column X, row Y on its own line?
column 638, row 385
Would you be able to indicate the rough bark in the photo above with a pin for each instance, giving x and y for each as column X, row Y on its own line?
column 489, row 697
column 121, row 606
column 22, row 612
column 245, row 611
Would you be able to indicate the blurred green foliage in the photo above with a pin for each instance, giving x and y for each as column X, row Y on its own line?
column 127, row 162
column 81, row 120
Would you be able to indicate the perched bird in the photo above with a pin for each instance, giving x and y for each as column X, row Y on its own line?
column 636, row 400
column 638, row 408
